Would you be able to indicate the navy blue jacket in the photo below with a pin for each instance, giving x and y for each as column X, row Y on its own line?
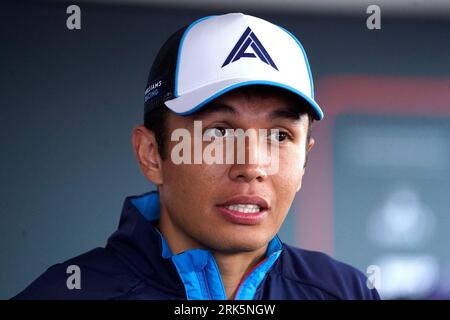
column 137, row 264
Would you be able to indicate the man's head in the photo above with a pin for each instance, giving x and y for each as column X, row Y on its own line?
column 231, row 72
column 195, row 197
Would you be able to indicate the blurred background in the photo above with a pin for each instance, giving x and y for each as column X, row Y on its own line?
column 376, row 193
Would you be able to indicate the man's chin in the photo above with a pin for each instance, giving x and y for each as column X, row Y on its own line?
column 233, row 246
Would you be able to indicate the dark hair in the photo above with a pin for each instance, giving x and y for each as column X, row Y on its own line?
column 156, row 119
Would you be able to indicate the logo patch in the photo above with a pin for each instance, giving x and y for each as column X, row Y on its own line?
column 249, row 39
column 154, row 89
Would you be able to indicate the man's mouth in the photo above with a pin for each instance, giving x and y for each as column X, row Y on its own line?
column 248, row 210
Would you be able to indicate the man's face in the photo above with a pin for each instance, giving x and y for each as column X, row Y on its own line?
column 201, row 201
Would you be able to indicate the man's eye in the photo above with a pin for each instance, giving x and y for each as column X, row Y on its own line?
column 279, row 136
column 217, row 132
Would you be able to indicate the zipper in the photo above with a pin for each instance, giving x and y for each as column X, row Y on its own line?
column 246, row 275
column 206, row 284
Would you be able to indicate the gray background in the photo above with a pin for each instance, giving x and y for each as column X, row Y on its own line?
column 404, row 165
column 69, row 100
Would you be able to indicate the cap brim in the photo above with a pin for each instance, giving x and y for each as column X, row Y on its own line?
column 190, row 102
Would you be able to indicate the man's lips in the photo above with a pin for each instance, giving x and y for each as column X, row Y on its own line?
column 247, row 210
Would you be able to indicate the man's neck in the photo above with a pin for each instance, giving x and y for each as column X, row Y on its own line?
column 235, row 266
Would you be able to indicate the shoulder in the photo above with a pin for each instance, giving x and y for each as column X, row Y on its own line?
column 97, row 274
column 322, row 273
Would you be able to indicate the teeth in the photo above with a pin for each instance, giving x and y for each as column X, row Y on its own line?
column 244, row 208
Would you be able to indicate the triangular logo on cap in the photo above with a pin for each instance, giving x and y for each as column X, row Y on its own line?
column 249, row 39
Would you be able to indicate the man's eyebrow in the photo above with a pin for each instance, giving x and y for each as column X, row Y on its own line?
column 214, row 107
column 289, row 112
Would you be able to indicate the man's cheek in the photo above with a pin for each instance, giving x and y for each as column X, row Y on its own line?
column 290, row 184
column 178, row 179
column 290, row 168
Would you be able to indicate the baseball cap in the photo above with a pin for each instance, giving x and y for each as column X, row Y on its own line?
column 217, row 54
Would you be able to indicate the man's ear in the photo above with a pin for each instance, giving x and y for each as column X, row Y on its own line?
column 308, row 149
column 145, row 149
column 310, row 144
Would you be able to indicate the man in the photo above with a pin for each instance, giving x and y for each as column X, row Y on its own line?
column 209, row 231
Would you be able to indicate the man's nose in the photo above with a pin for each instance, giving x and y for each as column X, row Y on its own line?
column 253, row 168
column 247, row 173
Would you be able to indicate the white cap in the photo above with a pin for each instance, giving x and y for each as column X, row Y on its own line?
column 220, row 53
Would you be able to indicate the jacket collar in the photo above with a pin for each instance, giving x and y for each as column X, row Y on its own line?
column 141, row 244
